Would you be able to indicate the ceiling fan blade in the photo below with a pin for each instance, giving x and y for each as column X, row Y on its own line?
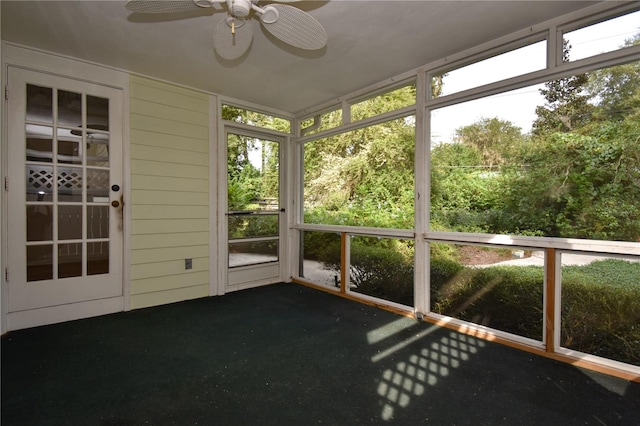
column 232, row 37
column 295, row 27
column 166, row 6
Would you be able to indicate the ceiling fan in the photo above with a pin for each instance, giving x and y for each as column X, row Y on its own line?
column 233, row 34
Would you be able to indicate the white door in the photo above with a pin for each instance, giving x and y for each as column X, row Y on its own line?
column 65, row 204
column 255, row 219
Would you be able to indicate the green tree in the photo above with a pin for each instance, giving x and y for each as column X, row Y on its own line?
column 617, row 88
column 493, row 138
column 462, row 188
column 567, row 107
column 580, row 186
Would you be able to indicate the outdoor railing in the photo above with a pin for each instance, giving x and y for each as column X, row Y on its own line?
column 575, row 300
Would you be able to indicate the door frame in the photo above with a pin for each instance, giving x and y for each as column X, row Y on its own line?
column 223, row 252
column 48, row 63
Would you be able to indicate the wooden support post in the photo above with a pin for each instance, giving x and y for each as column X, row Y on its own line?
column 550, row 288
column 343, row 262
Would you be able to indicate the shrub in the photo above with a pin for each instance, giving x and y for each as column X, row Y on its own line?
column 600, row 303
column 601, row 309
column 506, row 298
column 380, row 272
column 322, row 246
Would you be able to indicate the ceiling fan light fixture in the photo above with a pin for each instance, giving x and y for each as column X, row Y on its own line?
column 232, row 38
column 233, row 22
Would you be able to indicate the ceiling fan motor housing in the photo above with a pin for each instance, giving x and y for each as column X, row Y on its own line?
column 239, row 8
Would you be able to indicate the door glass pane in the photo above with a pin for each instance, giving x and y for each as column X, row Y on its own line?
column 252, row 174
column 244, row 226
column 39, row 183
column 97, row 149
column 69, row 260
column 97, row 113
column 39, row 143
column 97, row 222
column 98, row 258
column 70, row 184
column 69, row 144
column 97, row 185
column 252, row 190
column 69, row 222
column 39, row 104
column 67, row 209
column 39, row 262
column 39, row 223
column 253, row 252
column 69, row 108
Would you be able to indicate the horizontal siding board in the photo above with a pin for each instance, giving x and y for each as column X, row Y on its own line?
column 168, row 94
column 168, row 254
column 168, row 127
column 156, row 168
column 169, row 198
column 167, row 183
column 169, row 212
column 169, row 282
column 174, row 267
column 169, row 112
column 167, row 87
column 167, row 155
column 146, row 300
column 168, row 226
column 183, row 239
column 145, row 137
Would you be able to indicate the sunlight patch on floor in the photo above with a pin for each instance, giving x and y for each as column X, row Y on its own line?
column 387, row 330
column 409, row 379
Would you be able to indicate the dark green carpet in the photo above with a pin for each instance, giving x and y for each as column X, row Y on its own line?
column 289, row 355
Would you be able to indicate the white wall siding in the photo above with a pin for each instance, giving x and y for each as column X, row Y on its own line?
column 169, row 193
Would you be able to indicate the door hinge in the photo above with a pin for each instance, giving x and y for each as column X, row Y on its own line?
column 6, row 274
column 6, row 93
column 6, row 183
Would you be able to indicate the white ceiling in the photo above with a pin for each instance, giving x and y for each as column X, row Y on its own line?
column 369, row 41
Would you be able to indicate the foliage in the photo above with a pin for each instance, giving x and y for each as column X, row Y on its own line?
column 391, row 101
column 254, row 118
column 600, row 303
column 248, row 183
column 381, row 272
column 617, row 87
column 240, row 193
column 462, row 188
column 566, row 108
column 600, row 309
column 492, row 138
column 505, row 298
column 253, row 226
column 365, row 175
column 582, row 186
column 577, row 178
column 322, row 246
